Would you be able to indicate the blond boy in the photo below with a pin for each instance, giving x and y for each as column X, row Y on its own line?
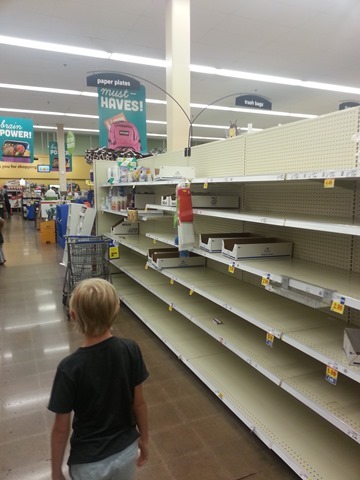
column 101, row 383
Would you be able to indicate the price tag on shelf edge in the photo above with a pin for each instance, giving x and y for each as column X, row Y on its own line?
column 265, row 280
column 171, row 306
column 171, row 281
column 270, row 339
column 191, row 291
column 338, row 306
column 331, row 375
column 146, row 266
column 205, row 184
column 329, row 183
column 114, row 252
column 231, row 268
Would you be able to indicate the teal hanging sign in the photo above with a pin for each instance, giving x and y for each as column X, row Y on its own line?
column 16, row 140
column 54, row 158
column 122, row 112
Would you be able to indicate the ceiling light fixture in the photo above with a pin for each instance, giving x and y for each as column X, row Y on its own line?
column 160, row 102
column 223, row 72
column 53, row 47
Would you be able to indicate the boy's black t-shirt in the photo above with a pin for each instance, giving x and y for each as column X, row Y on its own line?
column 98, row 383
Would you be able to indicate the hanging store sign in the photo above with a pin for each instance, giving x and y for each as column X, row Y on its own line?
column 70, row 141
column 253, row 101
column 348, row 104
column 122, row 111
column 16, row 140
column 54, row 158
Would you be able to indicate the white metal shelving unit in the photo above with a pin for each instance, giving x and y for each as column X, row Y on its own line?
column 218, row 323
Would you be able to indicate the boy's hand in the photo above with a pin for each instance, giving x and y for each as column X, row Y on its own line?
column 143, row 453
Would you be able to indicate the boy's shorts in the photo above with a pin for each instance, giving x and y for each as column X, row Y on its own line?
column 120, row 466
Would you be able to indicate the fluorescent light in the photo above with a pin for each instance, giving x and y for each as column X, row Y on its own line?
column 40, row 89
column 223, row 72
column 160, row 102
column 153, row 62
column 156, row 122
column 53, row 47
column 252, row 110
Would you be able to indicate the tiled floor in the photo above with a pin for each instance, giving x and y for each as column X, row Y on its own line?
column 193, row 435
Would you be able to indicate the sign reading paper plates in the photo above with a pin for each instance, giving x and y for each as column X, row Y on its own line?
column 16, row 140
column 122, row 111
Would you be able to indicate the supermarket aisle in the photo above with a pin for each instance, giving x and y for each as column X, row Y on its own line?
column 192, row 434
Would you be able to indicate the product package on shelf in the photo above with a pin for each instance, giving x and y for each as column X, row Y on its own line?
column 255, row 247
column 171, row 257
column 186, row 235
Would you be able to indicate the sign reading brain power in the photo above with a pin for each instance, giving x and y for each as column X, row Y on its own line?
column 16, row 140
column 122, row 111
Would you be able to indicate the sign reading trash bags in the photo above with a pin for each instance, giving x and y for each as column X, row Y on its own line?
column 122, row 111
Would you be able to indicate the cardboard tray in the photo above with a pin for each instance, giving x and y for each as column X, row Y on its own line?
column 212, row 242
column 351, row 345
column 256, row 247
column 170, row 258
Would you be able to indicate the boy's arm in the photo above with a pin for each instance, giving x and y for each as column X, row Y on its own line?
column 141, row 416
column 59, row 437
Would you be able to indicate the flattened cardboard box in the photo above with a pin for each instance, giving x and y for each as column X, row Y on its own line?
column 125, row 228
column 215, row 201
column 212, row 242
column 351, row 345
column 260, row 247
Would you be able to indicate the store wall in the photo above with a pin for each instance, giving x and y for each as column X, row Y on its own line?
column 80, row 169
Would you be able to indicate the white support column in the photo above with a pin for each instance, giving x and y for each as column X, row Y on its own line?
column 61, row 155
column 178, row 73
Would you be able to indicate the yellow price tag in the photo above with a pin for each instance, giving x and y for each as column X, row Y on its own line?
column 331, row 375
column 231, row 269
column 114, row 252
column 265, row 280
column 329, row 183
column 171, row 281
column 146, row 266
column 154, row 241
column 220, row 395
column 338, row 307
column 171, row 307
column 270, row 339
column 191, row 292
column 205, row 185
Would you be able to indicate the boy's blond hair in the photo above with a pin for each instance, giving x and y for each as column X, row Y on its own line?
column 94, row 305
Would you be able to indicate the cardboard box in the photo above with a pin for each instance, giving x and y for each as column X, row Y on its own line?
column 215, row 201
column 256, row 247
column 351, row 345
column 212, row 242
column 172, row 172
column 125, row 228
column 48, row 227
column 170, row 258
column 142, row 199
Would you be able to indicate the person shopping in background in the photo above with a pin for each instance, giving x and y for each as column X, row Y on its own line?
column 2, row 258
column 6, row 200
column 101, row 382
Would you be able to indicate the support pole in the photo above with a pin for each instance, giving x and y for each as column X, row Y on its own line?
column 178, row 72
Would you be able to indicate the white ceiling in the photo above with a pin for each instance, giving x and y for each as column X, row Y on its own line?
column 314, row 40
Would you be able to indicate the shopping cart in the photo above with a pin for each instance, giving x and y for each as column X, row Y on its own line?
column 87, row 258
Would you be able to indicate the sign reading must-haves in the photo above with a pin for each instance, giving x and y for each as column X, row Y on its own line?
column 17, row 140
column 253, row 101
column 122, row 111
